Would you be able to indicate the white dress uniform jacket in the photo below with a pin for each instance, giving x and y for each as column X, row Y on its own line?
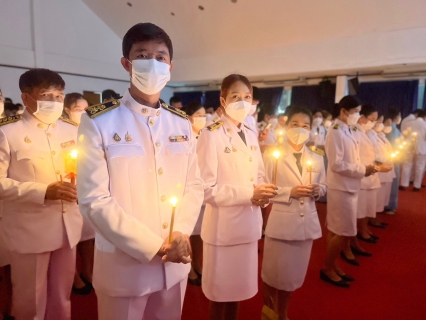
column 368, row 156
column 271, row 140
column 345, row 169
column 406, row 122
column 250, row 122
column 419, row 126
column 132, row 160
column 31, row 158
column 294, row 219
column 384, row 151
column 317, row 135
column 230, row 218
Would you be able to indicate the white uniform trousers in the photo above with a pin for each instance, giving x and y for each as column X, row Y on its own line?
column 419, row 169
column 4, row 252
column 42, row 283
column 160, row 305
column 406, row 169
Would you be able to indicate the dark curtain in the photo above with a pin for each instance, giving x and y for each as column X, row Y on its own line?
column 271, row 95
column 188, row 97
column 392, row 94
column 212, row 99
column 314, row 97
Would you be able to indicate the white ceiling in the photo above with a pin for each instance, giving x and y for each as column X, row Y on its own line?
column 226, row 28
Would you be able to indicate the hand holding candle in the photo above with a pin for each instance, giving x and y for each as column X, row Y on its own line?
column 71, row 165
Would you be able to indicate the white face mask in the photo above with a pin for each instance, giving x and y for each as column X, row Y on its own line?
column 316, row 122
column 273, row 122
column 199, row 123
column 238, row 110
column 48, row 111
column 353, row 118
column 76, row 116
column 253, row 109
column 1, row 107
column 297, row 135
column 327, row 124
column 387, row 129
column 369, row 125
column 149, row 75
column 379, row 127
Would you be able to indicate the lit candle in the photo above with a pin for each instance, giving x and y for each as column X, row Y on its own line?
column 173, row 202
column 71, row 165
column 276, row 156
column 310, row 171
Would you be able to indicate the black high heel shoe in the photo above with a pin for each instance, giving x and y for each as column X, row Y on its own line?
column 361, row 253
column 353, row 262
column 341, row 283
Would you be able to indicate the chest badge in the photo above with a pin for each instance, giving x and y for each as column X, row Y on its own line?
column 27, row 140
column 116, row 137
column 178, row 138
column 128, row 137
column 227, row 150
column 144, row 110
column 68, row 144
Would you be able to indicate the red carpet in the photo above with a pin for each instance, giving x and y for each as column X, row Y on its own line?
column 390, row 286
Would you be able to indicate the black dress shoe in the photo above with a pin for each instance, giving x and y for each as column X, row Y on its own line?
column 416, row 189
column 198, row 274
column 353, row 262
column 89, row 284
column 82, row 291
column 385, row 224
column 380, row 226
column 402, row 188
column 195, row 282
column 346, row 277
column 369, row 240
column 341, row 283
column 361, row 253
column 374, row 236
column 8, row 317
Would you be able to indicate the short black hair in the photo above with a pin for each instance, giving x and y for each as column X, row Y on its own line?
column 175, row 99
column 421, row 114
column 367, row 109
column 144, row 32
column 392, row 114
column 349, row 102
column 416, row 112
column 192, row 107
column 39, row 77
column 293, row 110
column 269, row 109
column 109, row 94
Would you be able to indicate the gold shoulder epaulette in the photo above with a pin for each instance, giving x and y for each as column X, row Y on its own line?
column 68, row 121
column 176, row 111
column 98, row 109
column 317, row 151
column 11, row 119
column 215, row 125
column 336, row 126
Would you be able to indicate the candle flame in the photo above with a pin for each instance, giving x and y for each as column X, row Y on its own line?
column 276, row 154
column 414, row 134
column 174, row 201
column 309, row 163
column 405, row 143
column 74, row 154
column 281, row 133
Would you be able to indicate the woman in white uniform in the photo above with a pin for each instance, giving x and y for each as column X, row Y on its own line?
column 293, row 222
column 197, row 116
column 74, row 106
column 318, row 132
column 344, row 175
column 232, row 169
column 384, row 152
column 369, row 185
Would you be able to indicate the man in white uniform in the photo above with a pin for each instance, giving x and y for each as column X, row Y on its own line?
column 42, row 224
column 419, row 126
column 136, row 154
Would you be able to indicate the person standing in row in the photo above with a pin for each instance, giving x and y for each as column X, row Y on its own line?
column 232, row 169
column 419, row 128
column 136, row 160
column 344, row 175
column 318, row 132
column 293, row 223
column 42, row 223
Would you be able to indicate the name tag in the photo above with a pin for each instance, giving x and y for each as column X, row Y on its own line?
column 178, row 138
column 68, row 144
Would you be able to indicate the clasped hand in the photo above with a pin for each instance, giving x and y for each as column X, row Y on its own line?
column 179, row 251
column 262, row 193
column 61, row 191
column 301, row 191
column 371, row 169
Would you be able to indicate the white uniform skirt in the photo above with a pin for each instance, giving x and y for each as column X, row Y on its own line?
column 383, row 196
column 285, row 263
column 341, row 212
column 230, row 272
column 199, row 223
column 4, row 252
column 367, row 203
